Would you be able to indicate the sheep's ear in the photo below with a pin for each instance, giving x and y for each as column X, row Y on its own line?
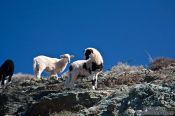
column 72, row 56
column 91, row 50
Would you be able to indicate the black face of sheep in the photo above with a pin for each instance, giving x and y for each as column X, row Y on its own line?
column 87, row 53
column 6, row 69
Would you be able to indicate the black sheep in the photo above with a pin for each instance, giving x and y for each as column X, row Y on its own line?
column 6, row 70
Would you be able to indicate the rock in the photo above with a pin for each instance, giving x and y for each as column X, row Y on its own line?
column 130, row 94
column 130, row 112
column 138, row 113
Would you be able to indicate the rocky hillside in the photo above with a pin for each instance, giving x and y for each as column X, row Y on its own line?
column 123, row 90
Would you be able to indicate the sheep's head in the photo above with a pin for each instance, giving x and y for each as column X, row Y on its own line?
column 87, row 53
column 67, row 56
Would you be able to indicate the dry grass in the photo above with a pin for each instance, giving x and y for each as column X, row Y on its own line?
column 123, row 74
column 124, row 69
column 22, row 77
column 161, row 63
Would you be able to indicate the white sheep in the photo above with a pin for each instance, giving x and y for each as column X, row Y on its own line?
column 50, row 65
column 92, row 65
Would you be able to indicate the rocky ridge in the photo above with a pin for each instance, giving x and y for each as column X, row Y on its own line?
column 123, row 90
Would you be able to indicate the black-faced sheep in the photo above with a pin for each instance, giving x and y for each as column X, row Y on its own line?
column 93, row 64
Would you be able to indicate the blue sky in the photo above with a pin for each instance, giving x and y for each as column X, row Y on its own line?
column 121, row 30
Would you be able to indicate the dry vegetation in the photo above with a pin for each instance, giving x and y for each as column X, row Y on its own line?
column 161, row 70
column 124, row 74
column 22, row 77
column 160, row 63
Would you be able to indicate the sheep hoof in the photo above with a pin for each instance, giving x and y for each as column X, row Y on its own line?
column 36, row 79
column 53, row 78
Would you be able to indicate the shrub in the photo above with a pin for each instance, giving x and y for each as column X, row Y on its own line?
column 161, row 63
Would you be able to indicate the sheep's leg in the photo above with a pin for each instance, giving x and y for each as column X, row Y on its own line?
column 35, row 72
column 67, row 82
column 72, row 78
column 7, row 82
column 96, row 79
column 71, row 81
column 39, row 74
column 9, row 78
column 3, row 79
column 93, row 82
